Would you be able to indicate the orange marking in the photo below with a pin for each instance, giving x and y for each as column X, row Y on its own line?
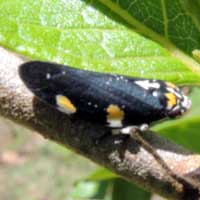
column 114, row 112
column 171, row 99
column 65, row 103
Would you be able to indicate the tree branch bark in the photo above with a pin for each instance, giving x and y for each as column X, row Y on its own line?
column 124, row 156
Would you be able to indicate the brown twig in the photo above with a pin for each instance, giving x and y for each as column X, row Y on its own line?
column 189, row 188
column 136, row 164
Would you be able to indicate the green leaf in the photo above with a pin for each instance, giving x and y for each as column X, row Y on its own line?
column 108, row 189
column 196, row 54
column 91, row 190
column 185, row 130
column 94, row 186
column 126, row 191
column 174, row 20
column 103, row 36
column 101, row 174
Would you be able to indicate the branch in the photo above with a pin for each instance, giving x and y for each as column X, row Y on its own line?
column 125, row 156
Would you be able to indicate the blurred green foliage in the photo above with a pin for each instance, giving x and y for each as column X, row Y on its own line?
column 103, row 36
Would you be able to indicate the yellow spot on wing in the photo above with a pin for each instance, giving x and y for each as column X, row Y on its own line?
column 115, row 116
column 171, row 99
column 65, row 104
column 114, row 112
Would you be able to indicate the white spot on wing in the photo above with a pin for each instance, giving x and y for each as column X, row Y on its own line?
column 48, row 76
column 147, row 85
column 155, row 94
column 114, row 123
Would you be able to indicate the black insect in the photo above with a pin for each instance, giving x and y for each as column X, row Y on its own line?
column 114, row 100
